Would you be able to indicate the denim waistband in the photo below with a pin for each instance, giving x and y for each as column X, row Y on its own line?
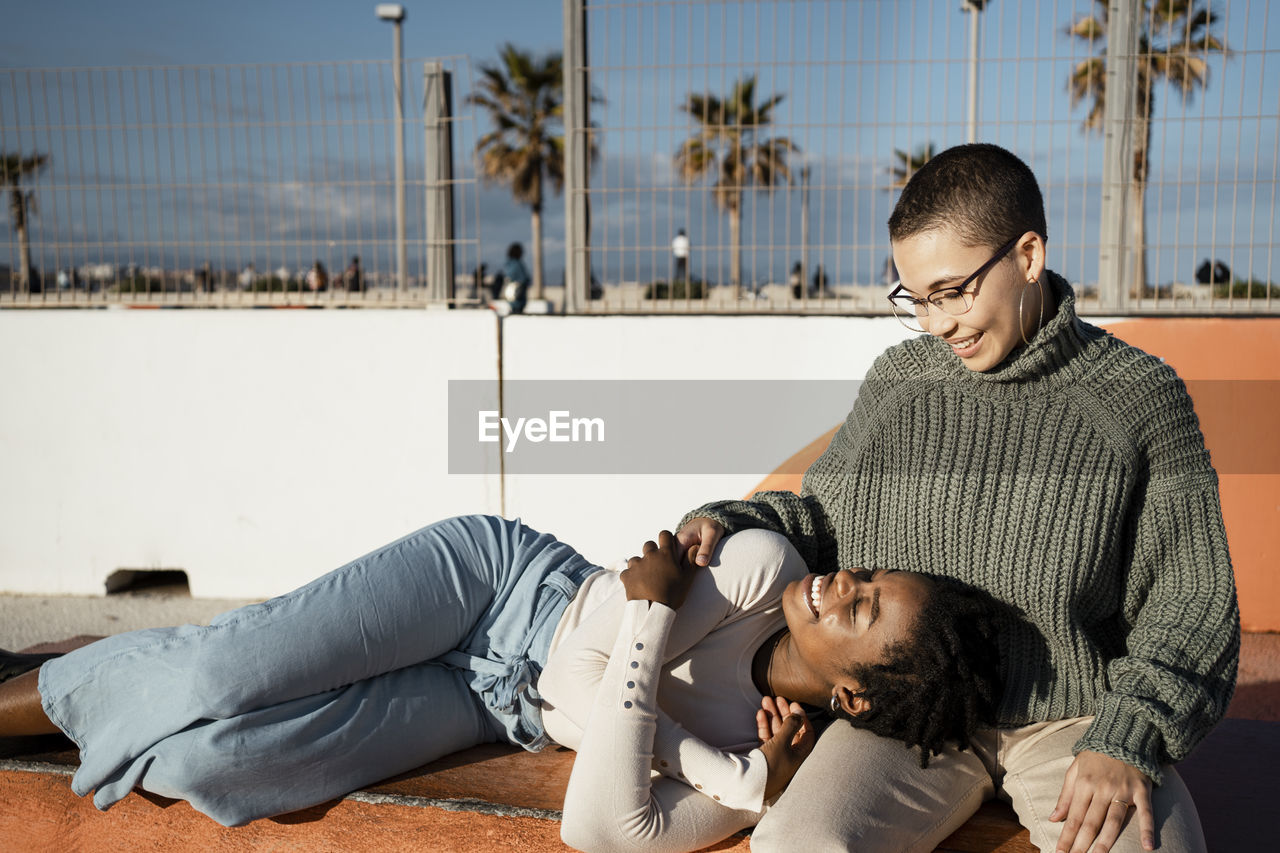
column 506, row 681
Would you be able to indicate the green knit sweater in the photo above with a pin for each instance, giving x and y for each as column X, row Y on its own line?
column 1072, row 482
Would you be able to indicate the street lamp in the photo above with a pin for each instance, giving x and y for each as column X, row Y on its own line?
column 395, row 13
column 974, row 8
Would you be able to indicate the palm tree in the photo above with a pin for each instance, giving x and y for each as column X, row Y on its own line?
column 728, row 144
column 14, row 168
column 524, row 95
column 1174, row 43
column 909, row 164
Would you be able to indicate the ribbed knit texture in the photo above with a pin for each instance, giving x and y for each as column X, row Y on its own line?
column 1072, row 482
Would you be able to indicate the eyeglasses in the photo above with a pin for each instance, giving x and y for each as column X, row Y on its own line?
column 949, row 300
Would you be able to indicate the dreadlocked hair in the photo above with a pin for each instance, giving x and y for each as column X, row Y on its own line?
column 942, row 682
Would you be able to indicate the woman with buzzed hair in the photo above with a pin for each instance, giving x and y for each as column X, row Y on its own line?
column 1019, row 449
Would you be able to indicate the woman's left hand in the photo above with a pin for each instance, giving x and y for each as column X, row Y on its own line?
column 786, row 739
column 1095, row 800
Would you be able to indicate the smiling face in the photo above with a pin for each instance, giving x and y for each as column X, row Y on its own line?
column 985, row 335
column 850, row 617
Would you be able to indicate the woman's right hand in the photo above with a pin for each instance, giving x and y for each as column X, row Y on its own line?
column 660, row 575
column 705, row 533
column 786, row 739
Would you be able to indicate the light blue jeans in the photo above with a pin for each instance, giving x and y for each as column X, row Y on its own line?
column 429, row 645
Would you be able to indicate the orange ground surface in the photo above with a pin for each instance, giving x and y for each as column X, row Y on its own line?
column 500, row 798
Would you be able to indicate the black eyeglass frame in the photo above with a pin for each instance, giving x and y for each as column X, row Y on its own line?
column 900, row 293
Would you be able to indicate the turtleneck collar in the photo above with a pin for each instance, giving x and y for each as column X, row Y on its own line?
column 1052, row 353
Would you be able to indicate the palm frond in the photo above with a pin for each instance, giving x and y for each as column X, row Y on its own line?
column 760, row 115
column 707, row 110
column 1088, row 79
column 733, row 180
column 1174, row 43
column 523, row 96
column 694, row 159
column 1185, row 73
column 908, row 164
column 1088, row 27
column 15, row 167
column 770, row 168
column 726, row 143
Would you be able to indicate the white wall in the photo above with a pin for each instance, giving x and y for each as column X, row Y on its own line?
column 257, row 449
column 252, row 449
column 609, row 517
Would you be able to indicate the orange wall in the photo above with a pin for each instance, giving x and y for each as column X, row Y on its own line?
column 1241, row 425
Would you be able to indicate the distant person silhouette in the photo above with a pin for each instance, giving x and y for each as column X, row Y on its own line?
column 889, row 275
column 354, row 277
column 820, row 281
column 680, row 251
column 516, row 276
column 1215, row 273
column 796, row 280
column 317, row 278
column 204, row 278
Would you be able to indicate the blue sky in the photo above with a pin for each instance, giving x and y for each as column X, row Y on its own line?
column 65, row 33
column 859, row 80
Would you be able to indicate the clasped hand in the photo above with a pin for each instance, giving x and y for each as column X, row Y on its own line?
column 661, row 574
column 786, row 739
column 699, row 538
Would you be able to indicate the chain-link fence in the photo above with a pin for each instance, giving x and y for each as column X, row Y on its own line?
column 773, row 133
column 750, row 151
column 226, row 185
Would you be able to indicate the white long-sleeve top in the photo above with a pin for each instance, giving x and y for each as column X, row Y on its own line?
column 660, row 704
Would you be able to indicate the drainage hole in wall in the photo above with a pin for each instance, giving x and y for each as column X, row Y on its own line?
column 148, row 582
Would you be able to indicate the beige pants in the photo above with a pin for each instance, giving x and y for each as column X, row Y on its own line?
column 860, row 792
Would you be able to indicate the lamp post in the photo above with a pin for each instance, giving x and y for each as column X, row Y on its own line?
column 974, row 8
column 395, row 13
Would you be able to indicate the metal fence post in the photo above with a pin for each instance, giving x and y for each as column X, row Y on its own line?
column 577, row 261
column 402, row 264
column 1114, row 246
column 437, row 117
column 974, row 8
column 804, row 228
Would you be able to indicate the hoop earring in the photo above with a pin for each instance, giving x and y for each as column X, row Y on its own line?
column 1023, row 296
column 835, row 704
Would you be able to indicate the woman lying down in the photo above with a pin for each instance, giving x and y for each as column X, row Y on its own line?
column 681, row 688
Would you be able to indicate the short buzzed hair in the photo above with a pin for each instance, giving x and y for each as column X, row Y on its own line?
column 983, row 193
